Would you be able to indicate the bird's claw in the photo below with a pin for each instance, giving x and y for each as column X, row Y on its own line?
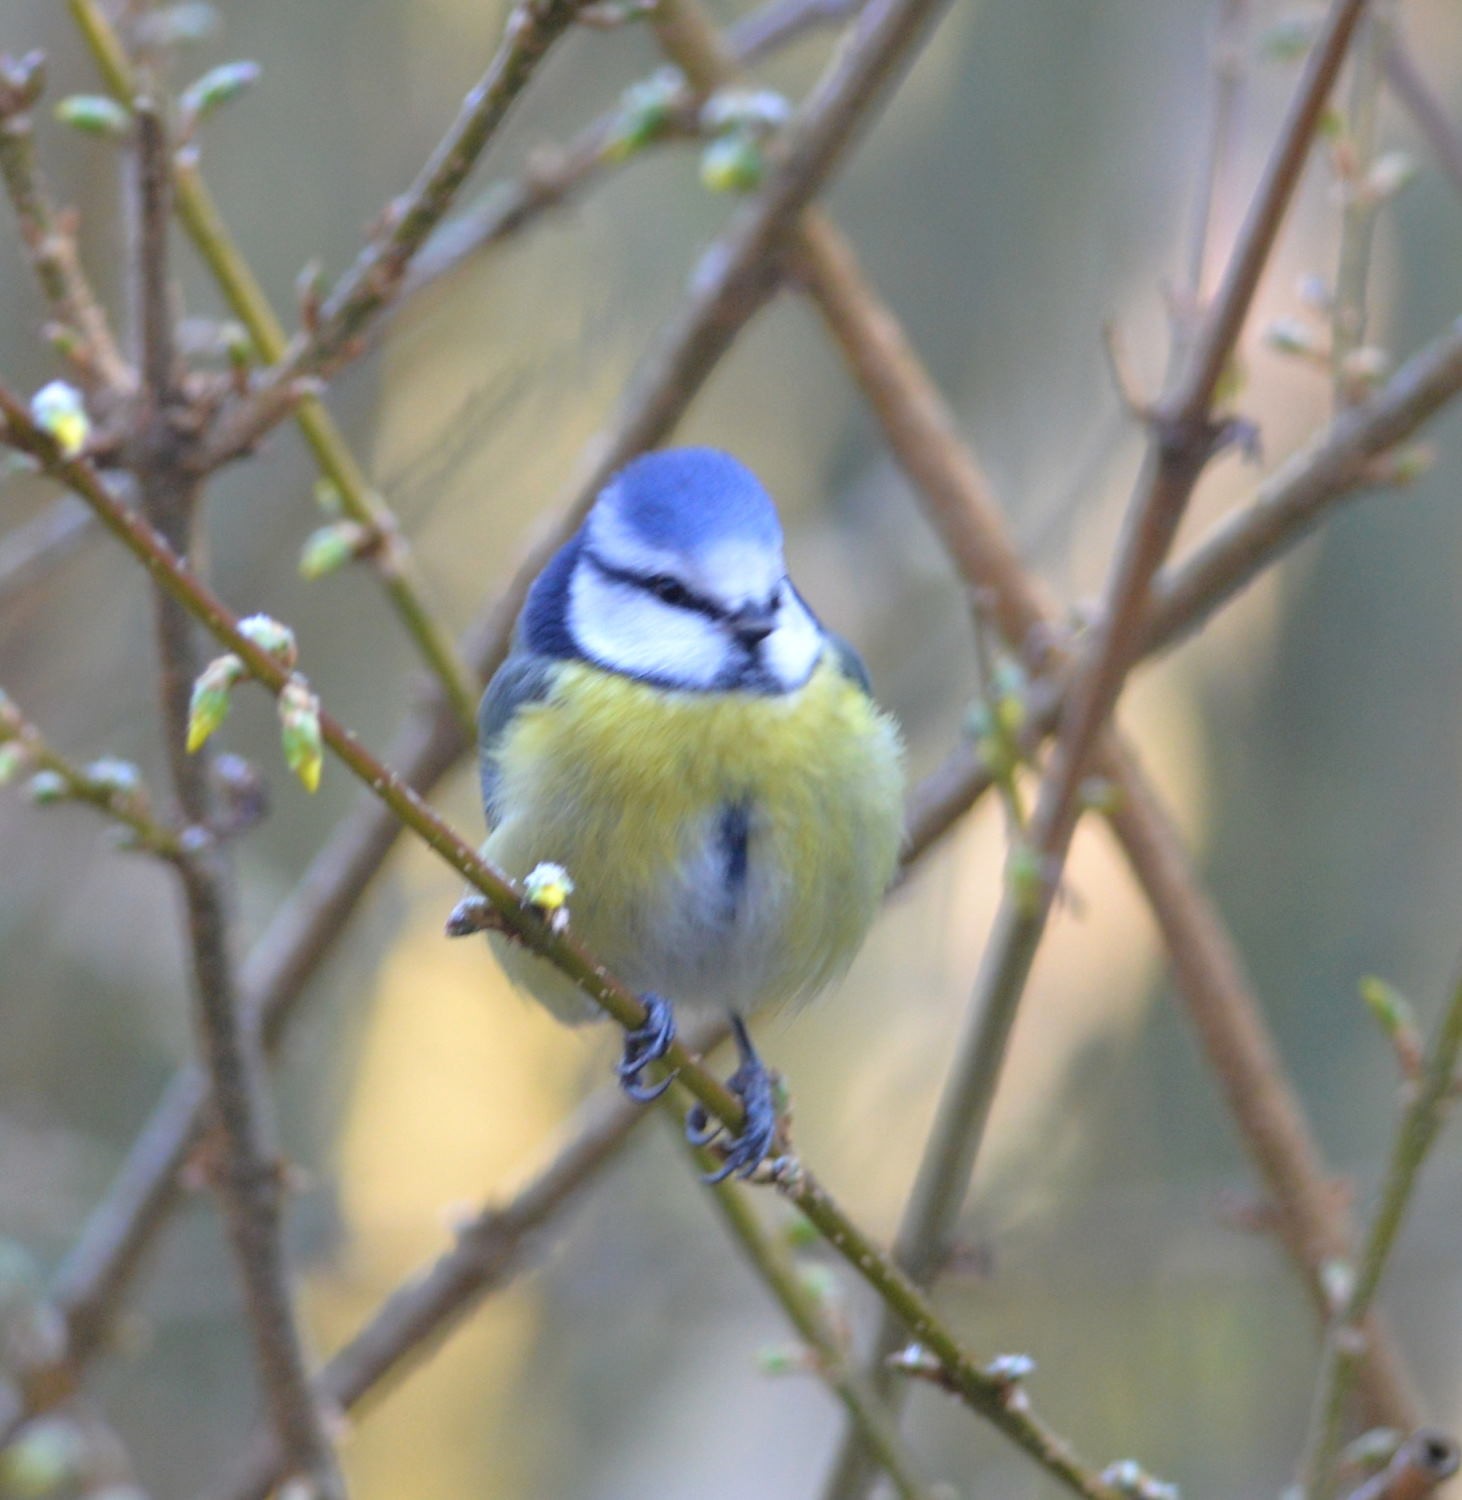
column 752, row 1084
column 644, row 1045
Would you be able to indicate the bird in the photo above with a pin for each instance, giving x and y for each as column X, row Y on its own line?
column 675, row 729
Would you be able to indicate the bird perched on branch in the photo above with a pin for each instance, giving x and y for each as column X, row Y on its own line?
column 678, row 732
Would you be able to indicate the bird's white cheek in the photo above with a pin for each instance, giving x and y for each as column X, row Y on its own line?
column 630, row 631
column 792, row 649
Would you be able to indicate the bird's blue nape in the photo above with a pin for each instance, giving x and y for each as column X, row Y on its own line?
column 682, row 499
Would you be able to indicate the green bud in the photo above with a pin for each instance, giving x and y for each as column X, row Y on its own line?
column 96, row 115
column 782, row 1359
column 1391, row 172
column 820, row 1283
column 1387, row 1004
column 1411, row 463
column 331, row 547
column 270, row 636
column 217, row 87
column 1290, row 38
column 1011, row 1368
column 237, row 344
column 117, row 776
column 47, row 787
column 1099, row 795
column 1337, row 1280
column 299, row 719
column 733, row 163
column 48, row 1457
column 177, row 25
column 1331, row 124
column 58, row 410
column 12, row 761
column 1023, row 878
column 327, row 497
column 757, row 111
column 644, row 112
column 21, row 81
column 208, row 707
column 1292, row 336
column 801, row 1232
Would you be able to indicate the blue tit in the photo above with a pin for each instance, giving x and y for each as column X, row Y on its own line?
column 676, row 729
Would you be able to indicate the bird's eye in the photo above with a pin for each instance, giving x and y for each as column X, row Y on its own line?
column 669, row 591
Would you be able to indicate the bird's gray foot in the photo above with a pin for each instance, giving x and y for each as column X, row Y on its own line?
column 752, row 1084
column 644, row 1045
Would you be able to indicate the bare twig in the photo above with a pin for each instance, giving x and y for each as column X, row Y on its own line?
column 1346, row 1343
column 49, row 241
column 112, row 787
column 248, row 1176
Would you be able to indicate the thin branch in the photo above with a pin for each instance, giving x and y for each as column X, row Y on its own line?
column 921, row 432
column 1345, row 1346
column 248, row 1177
column 1182, row 442
column 1345, row 461
column 1311, row 1214
column 204, row 225
column 770, row 1258
column 112, row 787
column 488, row 1252
column 1358, row 217
column 49, row 241
column 986, row 1393
column 375, row 278
column 1425, row 1460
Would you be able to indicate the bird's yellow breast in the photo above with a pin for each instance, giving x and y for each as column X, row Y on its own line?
column 726, row 848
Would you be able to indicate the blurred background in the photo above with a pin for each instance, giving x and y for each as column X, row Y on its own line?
column 1033, row 178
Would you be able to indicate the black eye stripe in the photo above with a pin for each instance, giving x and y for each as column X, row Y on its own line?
column 688, row 598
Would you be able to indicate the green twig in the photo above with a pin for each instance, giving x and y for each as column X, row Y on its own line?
column 827, row 1346
column 1345, row 1344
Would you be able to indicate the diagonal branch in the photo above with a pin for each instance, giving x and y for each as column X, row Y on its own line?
column 986, row 1392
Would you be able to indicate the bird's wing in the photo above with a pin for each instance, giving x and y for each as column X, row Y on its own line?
column 523, row 678
column 850, row 664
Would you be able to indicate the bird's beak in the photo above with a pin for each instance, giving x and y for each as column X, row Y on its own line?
column 753, row 624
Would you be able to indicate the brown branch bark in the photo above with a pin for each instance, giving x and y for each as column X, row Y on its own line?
column 248, row 1175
